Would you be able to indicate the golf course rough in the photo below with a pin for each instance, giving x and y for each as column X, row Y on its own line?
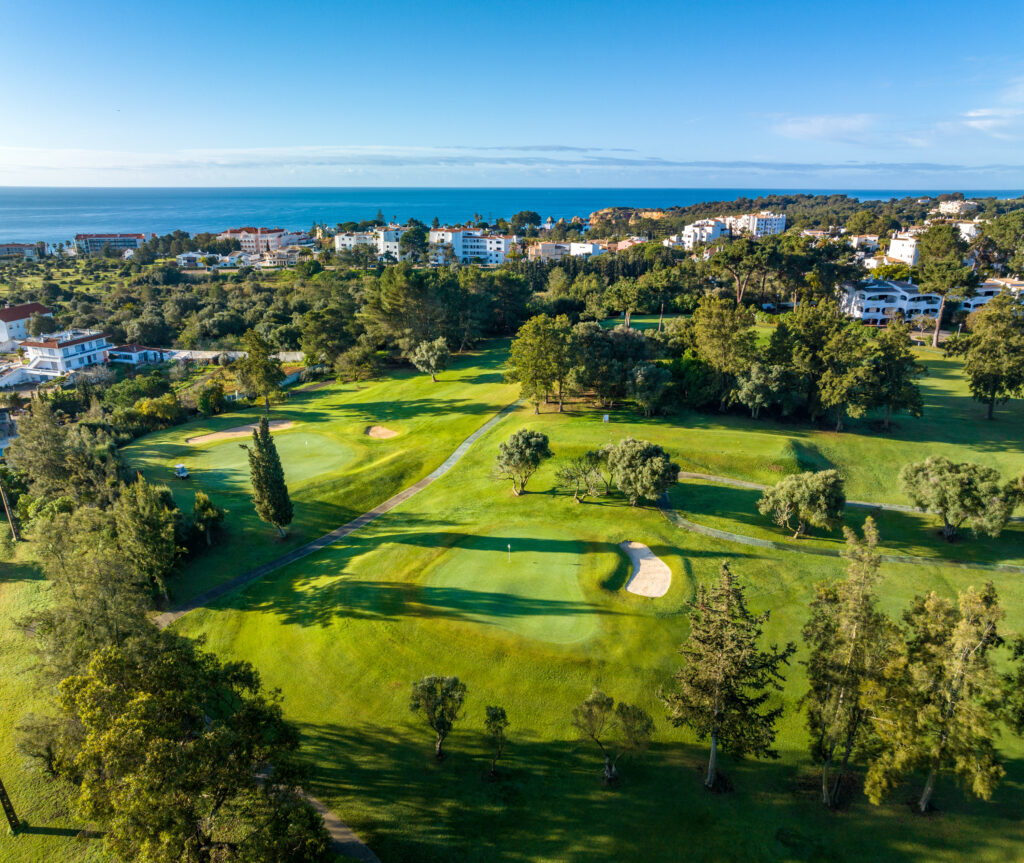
column 528, row 583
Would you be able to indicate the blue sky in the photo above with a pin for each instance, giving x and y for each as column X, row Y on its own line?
column 784, row 94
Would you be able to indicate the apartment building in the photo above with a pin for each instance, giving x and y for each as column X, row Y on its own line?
column 25, row 251
column 864, row 242
column 585, row 250
column 93, row 244
column 469, row 246
column 878, row 301
column 761, row 224
column 14, row 323
column 348, row 241
column 256, row 241
column 903, row 247
column 957, row 208
column 990, row 288
column 387, row 239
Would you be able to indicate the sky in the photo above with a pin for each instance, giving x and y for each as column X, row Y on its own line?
column 872, row 95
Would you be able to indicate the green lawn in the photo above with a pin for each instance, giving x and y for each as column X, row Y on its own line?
column 429, row 588
column 426, row 589
column 334, row 470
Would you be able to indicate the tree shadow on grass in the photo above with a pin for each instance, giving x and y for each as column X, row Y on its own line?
column 550, row 803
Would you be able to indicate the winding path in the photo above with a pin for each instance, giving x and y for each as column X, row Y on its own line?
column 728, row 536
column 343, row 840
column 248, row 577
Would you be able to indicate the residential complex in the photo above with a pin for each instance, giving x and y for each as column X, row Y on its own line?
column 387, row 239
column 93, row 244
column 878, row 301
column 348, row 241
column 699, row 233
column 14, row 323
column 957, row 208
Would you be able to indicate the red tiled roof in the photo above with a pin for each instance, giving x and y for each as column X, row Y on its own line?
column 106, row 236
column 19, row 313
column 56, row 343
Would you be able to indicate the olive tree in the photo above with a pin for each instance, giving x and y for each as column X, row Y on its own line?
column 802, row 500
column 438, row 700
column 959, row 493
column 520, row 456
column 598, row 718
column 432, row 357
column 641, row 470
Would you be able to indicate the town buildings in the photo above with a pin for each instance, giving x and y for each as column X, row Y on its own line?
column 137, row 355
column 547, row 251
column 586, row 250
column 94, row 244
column 990, row 288
column 14, row 323
column 878, row 301
column 25, row 251
column 387, row 239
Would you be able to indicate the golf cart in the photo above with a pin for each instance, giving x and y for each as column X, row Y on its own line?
column 180, row 471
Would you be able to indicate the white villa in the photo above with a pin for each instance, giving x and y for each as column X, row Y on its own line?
column 877, row 301
column 348, row 241
column 903, row 247
column 14, row 323
column 761, row 224
column 56, row 354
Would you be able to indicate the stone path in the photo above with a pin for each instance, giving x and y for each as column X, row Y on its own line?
column 344, row 841
column 692, row 526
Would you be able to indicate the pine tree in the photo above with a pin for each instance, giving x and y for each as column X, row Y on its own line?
column 937, row 708
column 721, row 691
column 269, row 491
column 145, row 531
column 847, row 636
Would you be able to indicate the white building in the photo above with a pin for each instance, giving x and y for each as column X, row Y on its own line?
column 878, row 301
column 903, row 247
column 990, row 288
column 25, row 251
column 469, row 246
column 387, row 240
column 864, row 242
column 14, row 323
column 93, row 244
column 957, row 208
column 585, row 250
column 348, row 241
column 256, row 241
column 761, row 224
column 547, row 251
column 969, row 230
column 705, row 231
column 137, row 355
column 63, row 353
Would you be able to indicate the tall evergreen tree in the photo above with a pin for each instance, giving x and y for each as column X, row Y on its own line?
column 721, row 691
column 269, row 491
column 847, row 636
column 937, row 707
column 891, row 371
column 145, row 531
column 259, row 370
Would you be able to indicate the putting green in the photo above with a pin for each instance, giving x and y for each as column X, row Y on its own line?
column 224, row 465
column 537, row 593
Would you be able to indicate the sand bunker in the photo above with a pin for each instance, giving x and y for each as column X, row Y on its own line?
column 380, row 432
column 651, row 575
column 239, row 431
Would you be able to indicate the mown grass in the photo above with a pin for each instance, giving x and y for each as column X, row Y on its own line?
column 344, row 633
column 334, row 470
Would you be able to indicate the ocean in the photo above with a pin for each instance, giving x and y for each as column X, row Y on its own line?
column 29, row 215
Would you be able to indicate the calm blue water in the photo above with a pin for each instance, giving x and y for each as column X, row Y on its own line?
column 56, row 214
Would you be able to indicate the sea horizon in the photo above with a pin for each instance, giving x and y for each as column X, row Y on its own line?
column 55, row 214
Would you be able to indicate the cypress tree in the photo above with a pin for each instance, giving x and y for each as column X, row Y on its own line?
column 269, row 491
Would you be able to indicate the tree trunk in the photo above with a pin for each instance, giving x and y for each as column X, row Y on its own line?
column 629, row 314
column 938, row 322
column 266, row 403
column 948, row 531
column 433, row 377
column 709, row 781
column 839, row 420
column 610, row 771
column 206, row 533
column 536, row 406
column 661, row 316
column 826, row 784
column 438, row 752
column 280, row 531
column 926, row 795
column 991, row 408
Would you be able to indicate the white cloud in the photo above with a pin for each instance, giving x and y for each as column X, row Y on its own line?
column 843, row 128
column 1005, row 119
